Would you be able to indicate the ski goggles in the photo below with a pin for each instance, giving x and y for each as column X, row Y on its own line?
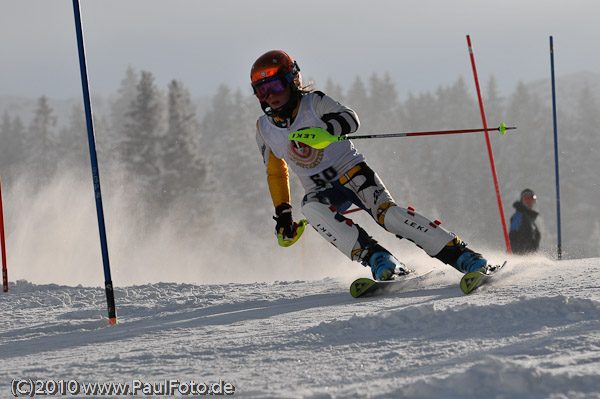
column 274, row 85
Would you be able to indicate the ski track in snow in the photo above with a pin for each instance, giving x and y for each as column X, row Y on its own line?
column 533, row 333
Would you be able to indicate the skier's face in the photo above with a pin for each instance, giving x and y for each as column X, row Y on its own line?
column 529, row 201
column 278, row 100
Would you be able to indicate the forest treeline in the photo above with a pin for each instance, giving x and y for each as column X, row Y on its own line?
column 205, row 161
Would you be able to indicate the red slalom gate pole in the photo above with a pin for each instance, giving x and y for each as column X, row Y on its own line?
column 3, row 245
column 489, row 146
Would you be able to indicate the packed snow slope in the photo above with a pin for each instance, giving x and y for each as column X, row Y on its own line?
column 533, row 333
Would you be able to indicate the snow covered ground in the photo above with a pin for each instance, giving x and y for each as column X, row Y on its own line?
column 534, row 333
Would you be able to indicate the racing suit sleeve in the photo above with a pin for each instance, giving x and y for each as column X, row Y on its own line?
column 339, row 119
column 277, row 172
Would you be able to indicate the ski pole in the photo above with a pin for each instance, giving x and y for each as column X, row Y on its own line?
column 320, row 138
column 3, row 246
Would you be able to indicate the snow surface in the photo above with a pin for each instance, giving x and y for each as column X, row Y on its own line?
column 533, row 333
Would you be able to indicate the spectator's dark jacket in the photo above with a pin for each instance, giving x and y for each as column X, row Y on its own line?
column 524, row 235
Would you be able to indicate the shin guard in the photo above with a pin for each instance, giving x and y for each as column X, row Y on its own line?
column 426, row 234
column 340, row 231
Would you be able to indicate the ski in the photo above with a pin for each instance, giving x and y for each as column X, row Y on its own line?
column 473, row 280
column 369, row 287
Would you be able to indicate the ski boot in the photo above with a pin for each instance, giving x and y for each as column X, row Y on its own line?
column 471, row 261
column 384, row 265
column 463, row 259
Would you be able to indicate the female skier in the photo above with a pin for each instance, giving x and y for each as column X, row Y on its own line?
column 336, row 176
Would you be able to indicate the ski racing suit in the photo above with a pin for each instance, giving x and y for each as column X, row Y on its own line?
column 336, row 177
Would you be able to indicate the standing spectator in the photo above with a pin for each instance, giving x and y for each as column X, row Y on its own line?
column 524, row 234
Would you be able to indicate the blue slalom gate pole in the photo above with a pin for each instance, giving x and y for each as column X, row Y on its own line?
column 559, row 245
column 108, row 285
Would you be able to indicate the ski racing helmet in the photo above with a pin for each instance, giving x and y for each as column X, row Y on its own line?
column 273, row 72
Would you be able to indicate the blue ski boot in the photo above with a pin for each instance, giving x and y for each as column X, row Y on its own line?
column 463, row 259
column 471, row 261
column 384, row 265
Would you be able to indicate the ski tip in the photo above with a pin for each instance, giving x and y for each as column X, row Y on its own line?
column 499, row 266
column 361, row 287
column 470, row 281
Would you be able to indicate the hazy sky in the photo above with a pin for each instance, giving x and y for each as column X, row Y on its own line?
column 421, row 44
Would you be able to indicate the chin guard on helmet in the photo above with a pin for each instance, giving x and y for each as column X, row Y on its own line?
column 285, row 111
column 275, row 63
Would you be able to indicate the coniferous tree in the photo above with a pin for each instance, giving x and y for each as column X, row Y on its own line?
column 448, row 158
column 6, row 147
column 418, row 111
column 334, row 90
column 185, row 190
column 587, row 117
column 456, row 107
column 494, row 103
column 112, row 127
column 383, row 102
column 218, row 143
column 251, row 169
column 383, row 114
column 140, row 141
column 526, row 112
column 19, row 136
column 13, row 143
column 235, row 159
column 126, row 95
column 184, row 171
column 42, row 138
column 413, row 156
column 219, row 118
column 358, row 100
column 579, row 147
column 72, row 141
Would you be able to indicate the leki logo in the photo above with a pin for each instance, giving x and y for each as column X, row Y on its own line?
column 327, row 234
column 416, row 225
column 297, row 135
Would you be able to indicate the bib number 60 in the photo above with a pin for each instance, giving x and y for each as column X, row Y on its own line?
column 321, row 179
